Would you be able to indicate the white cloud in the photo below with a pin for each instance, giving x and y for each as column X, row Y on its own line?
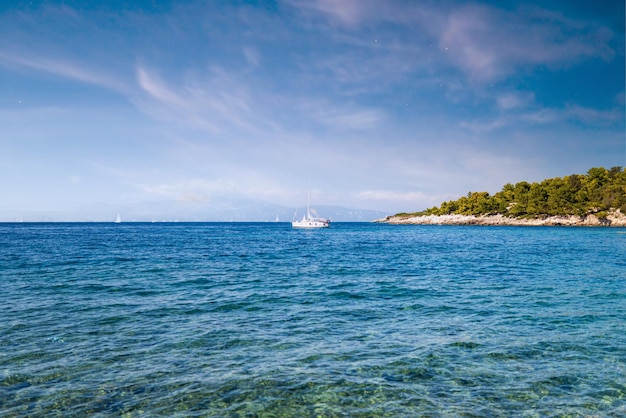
column 574, row 112
column 348, row 12
column 516, row 100
column 485, row 42
column 479, row 127
column 340, row 117
column 590, row 115
column 353, row 120
column 519, row 110
column 156, row 88
column 252, row 55
column 216, row 103
column 489, row 43
column 230, row 183
column 63, row 68
column 192, row 190
column 392, row 195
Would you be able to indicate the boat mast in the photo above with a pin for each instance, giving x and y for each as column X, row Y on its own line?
column 308, row 204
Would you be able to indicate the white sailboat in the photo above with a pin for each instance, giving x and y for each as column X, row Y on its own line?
column 118, row 220
column 309, row 221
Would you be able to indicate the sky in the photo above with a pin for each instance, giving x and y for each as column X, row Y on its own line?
column 390, row 105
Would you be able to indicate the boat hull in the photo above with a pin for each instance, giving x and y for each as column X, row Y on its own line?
column 310, row 224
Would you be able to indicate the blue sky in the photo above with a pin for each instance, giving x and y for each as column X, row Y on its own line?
column 394, row 106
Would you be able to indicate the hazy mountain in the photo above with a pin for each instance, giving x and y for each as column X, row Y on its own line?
column 223, row 210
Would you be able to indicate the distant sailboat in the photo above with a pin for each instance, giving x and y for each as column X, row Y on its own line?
column 308, row 221
column 118, row 220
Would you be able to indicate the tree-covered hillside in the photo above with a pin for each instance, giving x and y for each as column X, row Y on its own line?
column 597, row 192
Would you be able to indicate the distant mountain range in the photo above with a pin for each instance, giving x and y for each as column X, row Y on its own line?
column 224, row 210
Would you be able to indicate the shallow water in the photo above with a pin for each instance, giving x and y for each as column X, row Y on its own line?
column 245, row 320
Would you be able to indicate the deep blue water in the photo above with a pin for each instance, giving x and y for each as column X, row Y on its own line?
column 360, row 320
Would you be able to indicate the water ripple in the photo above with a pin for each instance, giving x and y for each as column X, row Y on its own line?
column 359, row 320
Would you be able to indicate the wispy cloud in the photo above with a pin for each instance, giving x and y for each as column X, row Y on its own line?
column 541, row 116
column 238, row 182
column 575, row 113
column 157, row 89
column 485, row 42
column 342, row 118
column 544, row 116
column 74, row 179
column 391, row 195
column 347, row 12
column 219, row 102
column 190, row 190
column 71, row 70
column 595, row 116
column 253, row 56
column 216, row 103
column 514, row 100
column 489, row 43
column 480, row 127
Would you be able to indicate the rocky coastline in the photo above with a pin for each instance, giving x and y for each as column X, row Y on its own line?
column 613, row 219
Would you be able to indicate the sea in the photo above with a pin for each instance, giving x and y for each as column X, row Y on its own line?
column 358, row 320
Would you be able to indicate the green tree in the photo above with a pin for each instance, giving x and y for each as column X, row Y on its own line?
column 598, row 191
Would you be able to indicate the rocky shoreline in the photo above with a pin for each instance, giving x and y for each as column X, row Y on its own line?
column 614, row 219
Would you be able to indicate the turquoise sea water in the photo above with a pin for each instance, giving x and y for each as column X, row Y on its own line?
column 359, row 320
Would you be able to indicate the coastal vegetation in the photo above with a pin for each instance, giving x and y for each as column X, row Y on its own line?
column 598, row 192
